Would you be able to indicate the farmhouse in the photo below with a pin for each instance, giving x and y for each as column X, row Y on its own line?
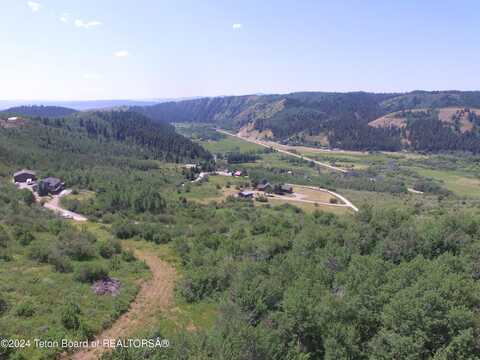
column 245, row 194
column 53, row 185
column 24, row 175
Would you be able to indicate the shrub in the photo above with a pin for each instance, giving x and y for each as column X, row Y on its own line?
column 85, row 331
column 70, row 316
column 4, row 238
column 60, row 262
column 3, row 306
column 27, row 197
column 110, row 248
column 25, row 237
column 333, row 201
column 25, row 309
column 125, row 230
column 77, row 245
column 39, row 253
column 162, row 238
column 128, row 256
column 90, row 273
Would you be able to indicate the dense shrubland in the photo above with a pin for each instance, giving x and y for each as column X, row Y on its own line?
column 387, row 283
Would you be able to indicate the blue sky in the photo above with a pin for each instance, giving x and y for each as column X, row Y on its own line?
column 107, row 49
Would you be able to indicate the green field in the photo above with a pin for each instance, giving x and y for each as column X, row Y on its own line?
column 229, row 144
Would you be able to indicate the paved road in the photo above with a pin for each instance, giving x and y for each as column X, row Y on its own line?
column 283, row 151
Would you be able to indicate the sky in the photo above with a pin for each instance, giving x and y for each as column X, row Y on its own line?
column 151, row 49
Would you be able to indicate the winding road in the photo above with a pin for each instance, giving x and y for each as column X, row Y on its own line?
column 283, row 151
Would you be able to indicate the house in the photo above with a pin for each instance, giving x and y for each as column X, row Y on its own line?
column 53, row 185
column 237, row 173
column 267, row 187
column 246, row 194
column 24, row 176
column 286, row 188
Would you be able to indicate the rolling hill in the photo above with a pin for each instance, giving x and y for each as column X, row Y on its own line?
column 346, row 120
column 40, row 110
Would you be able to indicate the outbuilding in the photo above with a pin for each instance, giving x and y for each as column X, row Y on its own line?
column 245, row 194
column 24, row 176
column 286, row 188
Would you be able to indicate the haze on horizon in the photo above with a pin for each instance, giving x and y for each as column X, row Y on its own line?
column 85, row 50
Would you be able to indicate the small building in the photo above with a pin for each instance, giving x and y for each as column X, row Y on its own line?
column 12, row 119
column 53, row 185
column 287, row 188
column 267, row 187
column 237, row 173
column 246, row 194
column 24, row 176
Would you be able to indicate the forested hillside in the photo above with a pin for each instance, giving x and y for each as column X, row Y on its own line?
column 106, row 131
column 340, row 119
column 40, row 111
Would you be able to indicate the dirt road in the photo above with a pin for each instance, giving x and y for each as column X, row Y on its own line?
column 346, row 202
column 54, row 205
column 278, row 148
column 156, row 295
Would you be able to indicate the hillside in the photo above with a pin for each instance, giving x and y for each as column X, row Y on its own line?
column 85, row 136
column 41, row 111
column 317, row 118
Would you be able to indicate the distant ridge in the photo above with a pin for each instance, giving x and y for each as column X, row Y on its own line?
column 40, row 111
column 88, row 104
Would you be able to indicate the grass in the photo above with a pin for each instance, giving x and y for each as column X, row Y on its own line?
column 308, row 207
column 27, row 283
column 459, row 183
column 230, row 144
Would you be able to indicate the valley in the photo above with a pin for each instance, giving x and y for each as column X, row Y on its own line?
column 233, row 254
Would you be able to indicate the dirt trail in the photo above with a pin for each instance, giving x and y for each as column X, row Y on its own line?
column 156, row 295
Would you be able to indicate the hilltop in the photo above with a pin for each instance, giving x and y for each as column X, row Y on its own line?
column 40, row 110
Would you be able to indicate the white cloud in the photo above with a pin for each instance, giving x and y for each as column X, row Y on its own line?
column 86, row 24
column 237, row 26
column 65, row 18
column 121, row 53
column 34, row 6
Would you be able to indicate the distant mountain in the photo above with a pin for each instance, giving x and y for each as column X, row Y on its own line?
column 86, row 105
column 320, row 118
column 40, row 111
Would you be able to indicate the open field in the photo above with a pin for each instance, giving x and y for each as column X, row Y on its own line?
column 229, row 144
column 460, row 184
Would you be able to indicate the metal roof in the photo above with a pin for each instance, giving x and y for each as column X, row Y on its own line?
column 25, row 171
